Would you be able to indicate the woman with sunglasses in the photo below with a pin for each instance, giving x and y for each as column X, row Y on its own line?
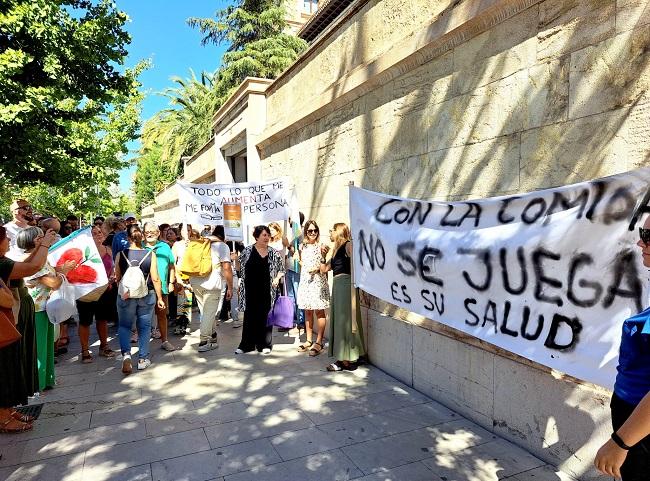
column 313, row 290
column 627, row 454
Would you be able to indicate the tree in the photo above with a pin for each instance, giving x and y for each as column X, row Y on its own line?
column 243, row 23
column 151, row 176
column 66, row 110
column 186, row 125
column 258, row 44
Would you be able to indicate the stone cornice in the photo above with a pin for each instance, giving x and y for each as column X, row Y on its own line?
column 250, row 85
column 452, row 27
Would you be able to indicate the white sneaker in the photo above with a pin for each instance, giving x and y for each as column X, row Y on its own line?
column 127, row 364
column 239, row 351
column 266, row 350
column 143, row 364
column 208, row 346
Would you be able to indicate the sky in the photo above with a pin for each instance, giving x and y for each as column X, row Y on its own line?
column 160, row 33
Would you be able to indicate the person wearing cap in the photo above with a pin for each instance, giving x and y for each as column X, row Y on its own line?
column 23, row 216
column 120, row 241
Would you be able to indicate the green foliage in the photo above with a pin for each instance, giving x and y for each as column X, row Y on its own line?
column 66, row 112
column 93, row 199
column 240, row 24
column 151, row 176
column 265, row 58
column 186, row 125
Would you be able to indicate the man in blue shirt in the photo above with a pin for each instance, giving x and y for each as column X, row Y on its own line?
column 627, row 454
column 120, row 241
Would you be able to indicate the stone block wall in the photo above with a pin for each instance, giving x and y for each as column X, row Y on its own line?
column 495, row 97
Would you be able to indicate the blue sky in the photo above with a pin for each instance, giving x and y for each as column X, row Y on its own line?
column 159, row 32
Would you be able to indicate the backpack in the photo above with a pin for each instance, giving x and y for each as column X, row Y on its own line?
column 197, row 259
column 133, row 279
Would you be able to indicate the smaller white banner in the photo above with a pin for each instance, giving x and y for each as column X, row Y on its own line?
column 80, row 247
column 261, row 202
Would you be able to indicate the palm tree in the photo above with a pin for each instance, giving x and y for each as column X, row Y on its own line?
column 186, row 125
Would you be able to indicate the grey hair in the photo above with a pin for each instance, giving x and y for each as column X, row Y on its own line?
column 26, row 238
column 150, row 224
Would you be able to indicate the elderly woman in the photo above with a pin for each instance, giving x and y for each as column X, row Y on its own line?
column 40, row 285
column 16, row 358
column 627, row 454
column 261, row 269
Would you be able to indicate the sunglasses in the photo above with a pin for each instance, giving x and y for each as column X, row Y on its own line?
column 644, row 235
column 312, row 231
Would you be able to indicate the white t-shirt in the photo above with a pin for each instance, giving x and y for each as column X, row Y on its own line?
column 215, row 281
column 15, row 253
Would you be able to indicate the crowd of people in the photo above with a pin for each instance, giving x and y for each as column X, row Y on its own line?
column 155, row 274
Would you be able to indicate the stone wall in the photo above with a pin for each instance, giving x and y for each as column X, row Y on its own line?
column 493, row 97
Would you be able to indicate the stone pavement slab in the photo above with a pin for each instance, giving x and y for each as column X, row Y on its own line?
column 220, row 417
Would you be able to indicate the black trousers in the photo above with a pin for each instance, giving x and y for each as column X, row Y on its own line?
column 637, row 464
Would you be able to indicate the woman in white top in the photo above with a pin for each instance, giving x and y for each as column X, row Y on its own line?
column 313, row 290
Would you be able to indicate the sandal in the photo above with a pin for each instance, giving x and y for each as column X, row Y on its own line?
column 313, row 352
column 23, row 418
column 334, row 367
column 305, row 346
column 106, row 352
column 18, row 426
column 86, row 358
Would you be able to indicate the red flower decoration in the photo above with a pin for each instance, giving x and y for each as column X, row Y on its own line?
column 80, row 274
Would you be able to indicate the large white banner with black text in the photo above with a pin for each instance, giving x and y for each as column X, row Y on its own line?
column 549, row 275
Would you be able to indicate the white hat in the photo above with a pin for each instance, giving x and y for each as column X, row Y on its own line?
column 129, row 215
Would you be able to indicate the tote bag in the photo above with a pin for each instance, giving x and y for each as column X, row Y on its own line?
column 281, row 314
column 8, row 332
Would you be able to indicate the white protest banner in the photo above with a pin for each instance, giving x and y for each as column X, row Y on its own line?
column 549, row 275
column 80, row 247
column 261, row 202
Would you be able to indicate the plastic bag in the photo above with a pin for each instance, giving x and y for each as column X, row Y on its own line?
column 61, row 305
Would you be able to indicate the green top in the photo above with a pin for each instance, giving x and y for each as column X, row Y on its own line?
column 164, row 258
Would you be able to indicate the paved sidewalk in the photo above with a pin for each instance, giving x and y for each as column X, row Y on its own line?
column 217, row 416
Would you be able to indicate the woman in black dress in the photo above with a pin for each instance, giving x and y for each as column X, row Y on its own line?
column 18, row 376
column 260, row 270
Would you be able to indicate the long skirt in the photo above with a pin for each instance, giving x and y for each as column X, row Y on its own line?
column 27, row 327
column 44, row 350
column 344, row 345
